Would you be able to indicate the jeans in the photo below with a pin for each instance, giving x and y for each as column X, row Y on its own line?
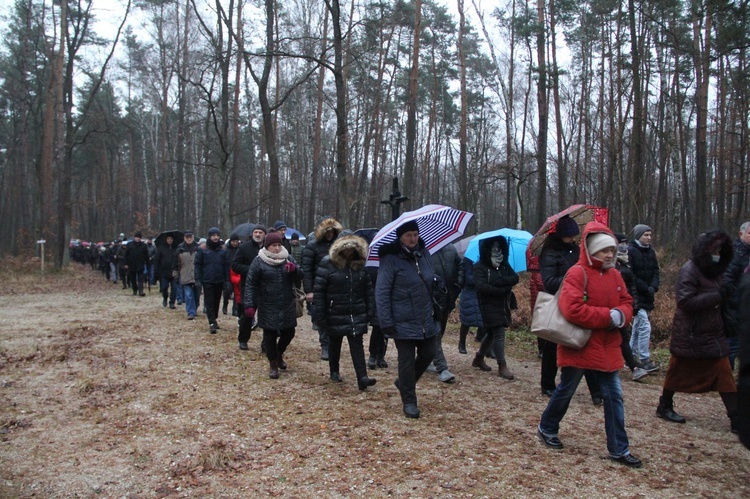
column 441, row 364
column 168, row 289
column 413, row 358
column 178, row 291
column 614, row 410
column 113, row 271
column 495, row 339
column 549, row 370
column 356, row 350
column 191, row 305
column 641, row 336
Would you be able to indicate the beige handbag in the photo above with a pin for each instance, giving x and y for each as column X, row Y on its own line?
column 549, row 323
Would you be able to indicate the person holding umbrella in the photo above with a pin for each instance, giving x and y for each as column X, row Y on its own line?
column 403, row 296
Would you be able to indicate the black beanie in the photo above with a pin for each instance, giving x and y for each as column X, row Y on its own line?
column 406, row 227
column 138, row 234
column 567, row 227
column 213, row 230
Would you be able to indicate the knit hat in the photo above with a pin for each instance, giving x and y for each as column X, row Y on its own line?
column 187, row 233
column 272, row 238
column 234, row 237
column 213, row 230
column 406, row 227
column 599, row 241
column 279, row 224
column 639, row 230
column 621, row 238
column 138, row 234
column 295, row 237
column 260, row 227
column 567, row 227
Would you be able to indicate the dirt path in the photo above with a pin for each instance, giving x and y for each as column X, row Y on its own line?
column 109, row 395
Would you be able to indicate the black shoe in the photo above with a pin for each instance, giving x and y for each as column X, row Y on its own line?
column 212, row 328
column 164, row 302
column 141, row 294
column 382, row 363
column 411, row 411
column 548, row 392
column 597, row 401
column 628, row 460
column 324, row 354
column 224, row 310
column 336, row 377
column 243, row 346
column 397, row 384
column 462, row 348
column 551, row 442
column 364, row 382
column 372, row 362
column 669, row 414
column 282, row 364
column 171, row 305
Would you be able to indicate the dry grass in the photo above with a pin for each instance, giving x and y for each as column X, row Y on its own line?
column 112, row 395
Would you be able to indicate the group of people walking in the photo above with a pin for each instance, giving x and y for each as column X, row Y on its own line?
column 604, row 283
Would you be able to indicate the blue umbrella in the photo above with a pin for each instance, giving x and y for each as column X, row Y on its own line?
column 290, row 231
column 518, row 240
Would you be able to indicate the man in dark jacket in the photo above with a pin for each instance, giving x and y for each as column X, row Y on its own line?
column 244, row 256
column 136, row 262
column 731, row 279
column 212, row 270
column 448, row 266
column 231, row 246
column 164, row 265
column 646, row 271
column 315, row 250
column 743, row 379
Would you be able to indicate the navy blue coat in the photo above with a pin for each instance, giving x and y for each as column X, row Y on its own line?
column 212, row 264
column 468, row 302
column 646, row 271
column 401, row 294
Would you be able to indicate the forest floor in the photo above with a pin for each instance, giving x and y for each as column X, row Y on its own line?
column 104, row 394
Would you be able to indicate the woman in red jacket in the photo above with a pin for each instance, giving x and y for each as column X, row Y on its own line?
column 593, row 296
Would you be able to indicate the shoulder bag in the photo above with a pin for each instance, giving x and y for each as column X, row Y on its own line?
column 549, row 323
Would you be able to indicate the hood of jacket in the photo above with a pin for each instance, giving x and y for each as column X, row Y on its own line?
column 357, row 260
column 485, row 250
column 701, row 254
column 592, row 228
column 324, row 225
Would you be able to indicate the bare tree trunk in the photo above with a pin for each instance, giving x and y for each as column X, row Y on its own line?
column 316, row 163
column 411, row 104
column 463, row 180
column 543, row 110
column 702, row 27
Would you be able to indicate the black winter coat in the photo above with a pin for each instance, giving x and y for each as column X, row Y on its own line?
column 270, row 290
column 317, row 249
column 164, row 260
column 697, row 327
column 743, row 379
column 646, row 271
column 344, row 297
column 731, row 280
column 402, row 294
column 555, row 260
column 212, row 264
column 494, row 284
column 448, row 266
column 136, row 256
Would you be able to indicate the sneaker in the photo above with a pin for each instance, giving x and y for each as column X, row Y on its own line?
column 551, row 442
column 628, row 460
column 649, row 366
column 446, row 376
column 639, row 373
column 243, row 346
column 431, row 368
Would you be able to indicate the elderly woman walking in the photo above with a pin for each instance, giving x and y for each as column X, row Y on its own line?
column 269, row 289
column 405, row 311
column 699, row 346
column 593, row 296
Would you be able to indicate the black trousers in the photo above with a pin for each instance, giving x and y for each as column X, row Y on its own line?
column 356, row 349
column 378, row 343
column 136, row 281
column 212, row 299
column 246, row 325
column 276, row 341
column 413, row 358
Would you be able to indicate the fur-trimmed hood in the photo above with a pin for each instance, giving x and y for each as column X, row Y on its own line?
column 324, row 225
column 340, row 245
column 702, row 249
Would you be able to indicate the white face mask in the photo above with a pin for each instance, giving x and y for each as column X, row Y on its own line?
column 716, row 258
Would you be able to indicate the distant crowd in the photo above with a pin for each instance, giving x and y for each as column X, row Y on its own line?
column 604, row 281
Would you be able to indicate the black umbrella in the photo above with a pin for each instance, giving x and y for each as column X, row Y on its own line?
column 161, row 239
column 367, row 233
column 244, row 230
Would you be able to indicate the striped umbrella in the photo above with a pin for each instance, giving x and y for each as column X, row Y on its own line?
column 438, row 226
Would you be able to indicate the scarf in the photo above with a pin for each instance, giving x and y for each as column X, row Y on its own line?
column 496, row 255
column 273, row 259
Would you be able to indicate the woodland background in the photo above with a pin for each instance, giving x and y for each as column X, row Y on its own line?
column 194, row 113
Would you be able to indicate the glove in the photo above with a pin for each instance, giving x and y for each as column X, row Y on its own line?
column 290, row 267
column 388, row 332
column 651, row 292
column 616, row 319
column 249, row 312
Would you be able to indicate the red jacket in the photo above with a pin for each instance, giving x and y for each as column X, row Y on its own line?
column 606, row 290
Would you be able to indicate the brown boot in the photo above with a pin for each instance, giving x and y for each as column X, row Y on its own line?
column 273, row 372
column 480, row 363
column 504, row 371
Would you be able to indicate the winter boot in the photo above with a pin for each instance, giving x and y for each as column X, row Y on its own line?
column 280, row 362
column 273, row 371
column 665, row 410
column 504, row 371
column 463, row 332
column 480, row 363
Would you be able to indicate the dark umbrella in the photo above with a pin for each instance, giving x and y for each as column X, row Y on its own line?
column 367, row 234
column 161, row 239
column 581, row 213
column 244, row 230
